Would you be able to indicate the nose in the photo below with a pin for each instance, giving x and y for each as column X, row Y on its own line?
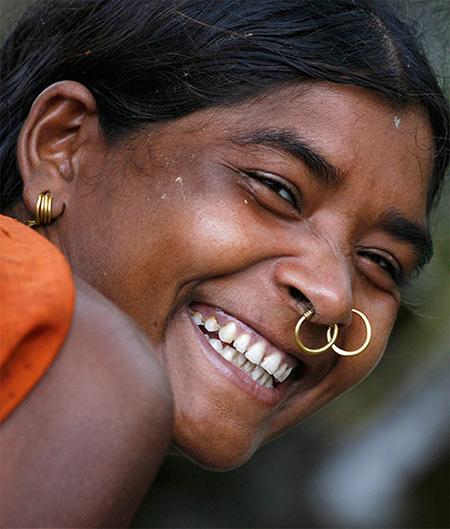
column 323, row 280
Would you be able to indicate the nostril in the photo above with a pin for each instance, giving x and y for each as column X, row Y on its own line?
column 297, row 295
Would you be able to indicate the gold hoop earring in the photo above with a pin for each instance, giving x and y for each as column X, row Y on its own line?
column 331, row 339
column 364, row 346
column 43, row 215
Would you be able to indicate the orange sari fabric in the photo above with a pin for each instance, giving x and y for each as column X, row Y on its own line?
column 37, row 296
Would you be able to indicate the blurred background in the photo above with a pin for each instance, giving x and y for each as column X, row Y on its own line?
column 378, row 457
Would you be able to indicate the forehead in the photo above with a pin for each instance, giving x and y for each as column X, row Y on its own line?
column 368, row 140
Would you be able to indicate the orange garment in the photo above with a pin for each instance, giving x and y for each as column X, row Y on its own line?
column 37, row 297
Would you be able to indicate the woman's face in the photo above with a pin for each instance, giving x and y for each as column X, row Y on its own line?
column 311, row 194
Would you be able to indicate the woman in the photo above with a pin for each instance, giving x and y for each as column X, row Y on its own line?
column 246, row 185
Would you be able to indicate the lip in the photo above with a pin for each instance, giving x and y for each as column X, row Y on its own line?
column 267, row 396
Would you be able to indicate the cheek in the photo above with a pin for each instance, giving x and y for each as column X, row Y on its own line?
column 215, row 237
column 351, row 370
column 346, row 372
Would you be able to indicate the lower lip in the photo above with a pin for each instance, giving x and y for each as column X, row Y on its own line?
column 268, row 396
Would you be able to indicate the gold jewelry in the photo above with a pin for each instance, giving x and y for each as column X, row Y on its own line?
column 331, row 339
column 363, row 347
column 43, row 215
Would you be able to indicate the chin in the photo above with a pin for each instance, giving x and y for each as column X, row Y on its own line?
column 214, row 447
column 217, row 461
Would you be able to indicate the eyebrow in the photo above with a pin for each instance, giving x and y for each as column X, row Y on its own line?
column 414, row 234
column 289, row 142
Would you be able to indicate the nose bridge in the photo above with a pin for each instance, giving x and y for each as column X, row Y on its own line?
column 321, row 271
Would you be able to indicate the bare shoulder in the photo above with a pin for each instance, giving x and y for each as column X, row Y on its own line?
column 122, row 351
column 85, row 445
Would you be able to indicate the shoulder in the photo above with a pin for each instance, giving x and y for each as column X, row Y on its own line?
column 113, row 347
column 99, row 422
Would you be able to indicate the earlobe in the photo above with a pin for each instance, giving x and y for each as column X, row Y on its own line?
column 62, row 120
column 44, row 211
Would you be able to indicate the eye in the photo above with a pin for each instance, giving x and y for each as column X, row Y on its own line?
column 279, row 186
column 388, row 264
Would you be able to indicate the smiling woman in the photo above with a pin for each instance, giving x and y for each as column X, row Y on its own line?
column 236, row 186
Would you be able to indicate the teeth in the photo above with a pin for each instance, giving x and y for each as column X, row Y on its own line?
column 228, row 353
column 285, row 374
column 269, row 383
column 241, row 343
column 256, row 352
column 197, row 317
column 228, row 333
column 271, row 363
column 247, row 367
column 264, row 378
column 211, row 324
column 239, row 360
column 246, row 359
column 216, row 344
column 280, row 371
column 257, row 372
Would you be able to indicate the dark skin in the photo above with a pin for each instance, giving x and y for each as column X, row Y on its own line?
column 209, row 209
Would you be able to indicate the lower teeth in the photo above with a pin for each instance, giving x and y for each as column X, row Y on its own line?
column 239, row 360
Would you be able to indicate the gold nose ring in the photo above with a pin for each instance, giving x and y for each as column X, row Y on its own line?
column 364, row 346
column 331, row 338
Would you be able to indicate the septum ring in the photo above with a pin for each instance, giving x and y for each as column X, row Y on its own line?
column 331, row 339
column 332, row 334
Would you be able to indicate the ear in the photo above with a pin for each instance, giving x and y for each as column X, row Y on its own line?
column 62, row 121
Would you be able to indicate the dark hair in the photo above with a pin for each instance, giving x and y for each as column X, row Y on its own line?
column 152, row 60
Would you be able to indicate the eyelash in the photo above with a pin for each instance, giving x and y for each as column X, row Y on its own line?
column 273, row 184
column 395, row 272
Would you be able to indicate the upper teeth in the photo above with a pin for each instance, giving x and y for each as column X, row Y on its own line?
column 271, row 363
column 228, row 333
column 211, row 324
column 255, row 363
column 197, row 317
column 255, row 353
column 242, row 342
column 283, row 373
